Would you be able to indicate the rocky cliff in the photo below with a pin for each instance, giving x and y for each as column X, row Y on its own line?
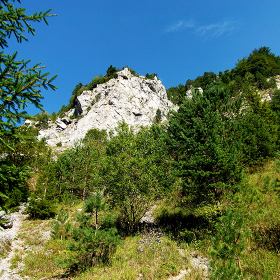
column 125, row 97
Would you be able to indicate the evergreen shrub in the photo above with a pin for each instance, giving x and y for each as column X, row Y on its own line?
column 40, row 208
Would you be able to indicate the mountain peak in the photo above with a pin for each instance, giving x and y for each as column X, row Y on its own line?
column 129, row 98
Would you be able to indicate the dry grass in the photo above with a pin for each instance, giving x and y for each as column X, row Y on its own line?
column 5, row 247
column 153, row 261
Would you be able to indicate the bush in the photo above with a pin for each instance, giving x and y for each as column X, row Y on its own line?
column 59, row 144
column 41, row 209
column 93, row 240
column 229, row 244
column 61, row 226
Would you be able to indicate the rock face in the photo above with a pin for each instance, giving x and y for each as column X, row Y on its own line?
column 126, row 97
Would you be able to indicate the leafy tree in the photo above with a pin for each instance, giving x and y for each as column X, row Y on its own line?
column 20, row 83
column 201, row 139
column 262, row 64
column 48, row 184
column 202, row 81
column 136, row 173
column 18, row 164
column 77, row 171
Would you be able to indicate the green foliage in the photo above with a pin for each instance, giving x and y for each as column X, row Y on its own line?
column 258, row 128
column 176, row 94
column 20, row 82
column 94, row 135
column 42, row 120
column 61, row 226
column 62, row 111
column 136, row 173
column 20, row 85
column 59, row 144
column 111, row 71
column 158, row 116
column 53, row 116
column 228, row 248
column 275, row 107
column 186, row 224
column 75, row 93
column 76, row 171
column 17, row 164
column 133, row 73
column 93, row 241
column 41, row 208
column 201, row 139
column 202, row 81
column 258, row 70
column 96, row 81
column 261, row 62
column 150, row 76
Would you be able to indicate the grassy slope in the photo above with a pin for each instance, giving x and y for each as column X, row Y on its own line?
column 258, row 201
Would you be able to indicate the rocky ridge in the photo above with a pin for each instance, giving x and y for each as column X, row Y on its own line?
column 128, row 98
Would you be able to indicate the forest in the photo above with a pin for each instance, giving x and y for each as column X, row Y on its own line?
column 211, row 174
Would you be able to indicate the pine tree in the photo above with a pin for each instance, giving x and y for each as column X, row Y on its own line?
column 20, row 83
column 201, row 139
column 94, row 239
column 229, row 243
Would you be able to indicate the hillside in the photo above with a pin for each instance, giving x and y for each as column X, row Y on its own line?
column 149, row 192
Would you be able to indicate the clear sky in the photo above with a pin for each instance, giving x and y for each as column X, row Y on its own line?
column 177, row 39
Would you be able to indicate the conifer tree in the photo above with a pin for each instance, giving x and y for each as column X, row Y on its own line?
column 20, row 83
column 201, row 139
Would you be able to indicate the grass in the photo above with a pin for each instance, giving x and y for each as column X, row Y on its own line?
column 41, row 263
column 5, row 247
column 17, row 257
column 257, row 201
column 153, row 261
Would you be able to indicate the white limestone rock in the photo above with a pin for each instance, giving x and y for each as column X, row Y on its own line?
column 125, row 97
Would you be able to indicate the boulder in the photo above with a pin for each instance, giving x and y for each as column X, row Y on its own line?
column 60, row 124
column 6, row 221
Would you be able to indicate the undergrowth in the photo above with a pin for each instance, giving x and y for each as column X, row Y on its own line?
column 256, row 205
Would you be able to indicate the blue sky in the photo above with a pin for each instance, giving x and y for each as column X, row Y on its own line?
column 178, row 39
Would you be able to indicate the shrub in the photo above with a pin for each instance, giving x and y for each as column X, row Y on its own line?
column 41, row 209
column 93, row 240
column 59, row 144
column 61, row 226
column 229, row 244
